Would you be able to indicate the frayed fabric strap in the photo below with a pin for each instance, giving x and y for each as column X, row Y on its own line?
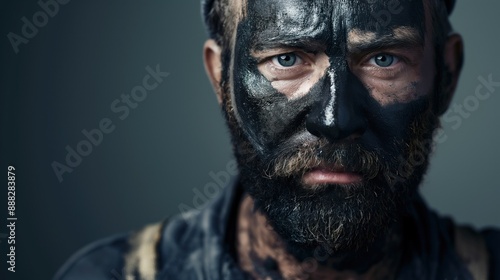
column 471, row 247
column 141, row 260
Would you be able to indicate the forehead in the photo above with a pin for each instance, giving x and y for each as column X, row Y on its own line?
column 326, row 20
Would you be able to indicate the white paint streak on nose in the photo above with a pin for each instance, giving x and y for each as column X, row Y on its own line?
column 329, row 113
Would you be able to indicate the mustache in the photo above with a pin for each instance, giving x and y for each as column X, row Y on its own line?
column 295, row 158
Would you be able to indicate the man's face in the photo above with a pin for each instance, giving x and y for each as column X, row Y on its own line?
column 325, row 99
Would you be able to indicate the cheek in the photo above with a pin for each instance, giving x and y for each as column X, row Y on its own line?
column 391, row 92
column 255, row 86
column 296, row 88
column 412, row 83
column 266, row 116
column 262, row 111
column 408, row 87
column 298, row 85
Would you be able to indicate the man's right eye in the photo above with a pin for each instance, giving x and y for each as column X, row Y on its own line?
column 286, row 60
column 286, row 65
column 384, row 60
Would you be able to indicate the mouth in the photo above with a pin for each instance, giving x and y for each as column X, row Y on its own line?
column 331, row 175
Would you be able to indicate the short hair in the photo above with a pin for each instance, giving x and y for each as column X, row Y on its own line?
column 218, row 19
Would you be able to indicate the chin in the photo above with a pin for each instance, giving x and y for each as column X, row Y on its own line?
column 337, row 218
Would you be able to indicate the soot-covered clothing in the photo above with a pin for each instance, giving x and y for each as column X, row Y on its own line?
column 200, row 245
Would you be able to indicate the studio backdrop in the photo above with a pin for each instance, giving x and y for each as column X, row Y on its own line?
column 110, row 123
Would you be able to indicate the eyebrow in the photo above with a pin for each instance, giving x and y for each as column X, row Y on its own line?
column 401, row 37
column 358, row 42
column 307, row 44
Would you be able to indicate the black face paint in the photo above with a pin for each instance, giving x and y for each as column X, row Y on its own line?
column 267, row 124
column 339, row 105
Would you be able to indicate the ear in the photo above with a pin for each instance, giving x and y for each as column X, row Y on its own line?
column 213, row 66
column 453, row 61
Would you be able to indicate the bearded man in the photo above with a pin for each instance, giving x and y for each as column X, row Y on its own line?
column 332, row 115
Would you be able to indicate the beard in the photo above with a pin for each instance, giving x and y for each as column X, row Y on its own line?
column 343, row 220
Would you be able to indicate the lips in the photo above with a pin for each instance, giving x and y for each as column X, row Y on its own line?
column 333, row 175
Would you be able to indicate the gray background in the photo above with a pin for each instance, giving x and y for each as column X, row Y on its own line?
column 65, row 78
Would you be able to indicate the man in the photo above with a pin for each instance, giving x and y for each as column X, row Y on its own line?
column 332, row 116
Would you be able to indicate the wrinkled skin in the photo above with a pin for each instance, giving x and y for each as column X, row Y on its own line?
column 321, row 83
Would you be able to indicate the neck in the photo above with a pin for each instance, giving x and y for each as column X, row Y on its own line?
column 264, row 255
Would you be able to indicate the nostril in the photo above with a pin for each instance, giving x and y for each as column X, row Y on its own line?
column 319, row 129
column 335, row 131
column 314, row 125
column 313, row 129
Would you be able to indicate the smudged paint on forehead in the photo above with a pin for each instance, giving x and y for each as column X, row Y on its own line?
column 298, row 22
column 282, row 22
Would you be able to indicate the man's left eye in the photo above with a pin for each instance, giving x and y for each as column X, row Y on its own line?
column 286, row 60
column 384, row 60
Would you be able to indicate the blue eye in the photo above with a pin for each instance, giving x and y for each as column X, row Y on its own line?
column 286, row 60
column 384, row 60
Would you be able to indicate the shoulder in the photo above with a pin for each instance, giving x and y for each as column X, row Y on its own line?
column 492, row 238
column 102, row 259
column 480, row 250
column 117, row 257
column 180, row 243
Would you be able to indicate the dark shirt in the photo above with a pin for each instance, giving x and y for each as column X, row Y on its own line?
column 200, row 245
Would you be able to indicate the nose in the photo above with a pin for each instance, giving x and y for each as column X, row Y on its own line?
column 338, row 113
